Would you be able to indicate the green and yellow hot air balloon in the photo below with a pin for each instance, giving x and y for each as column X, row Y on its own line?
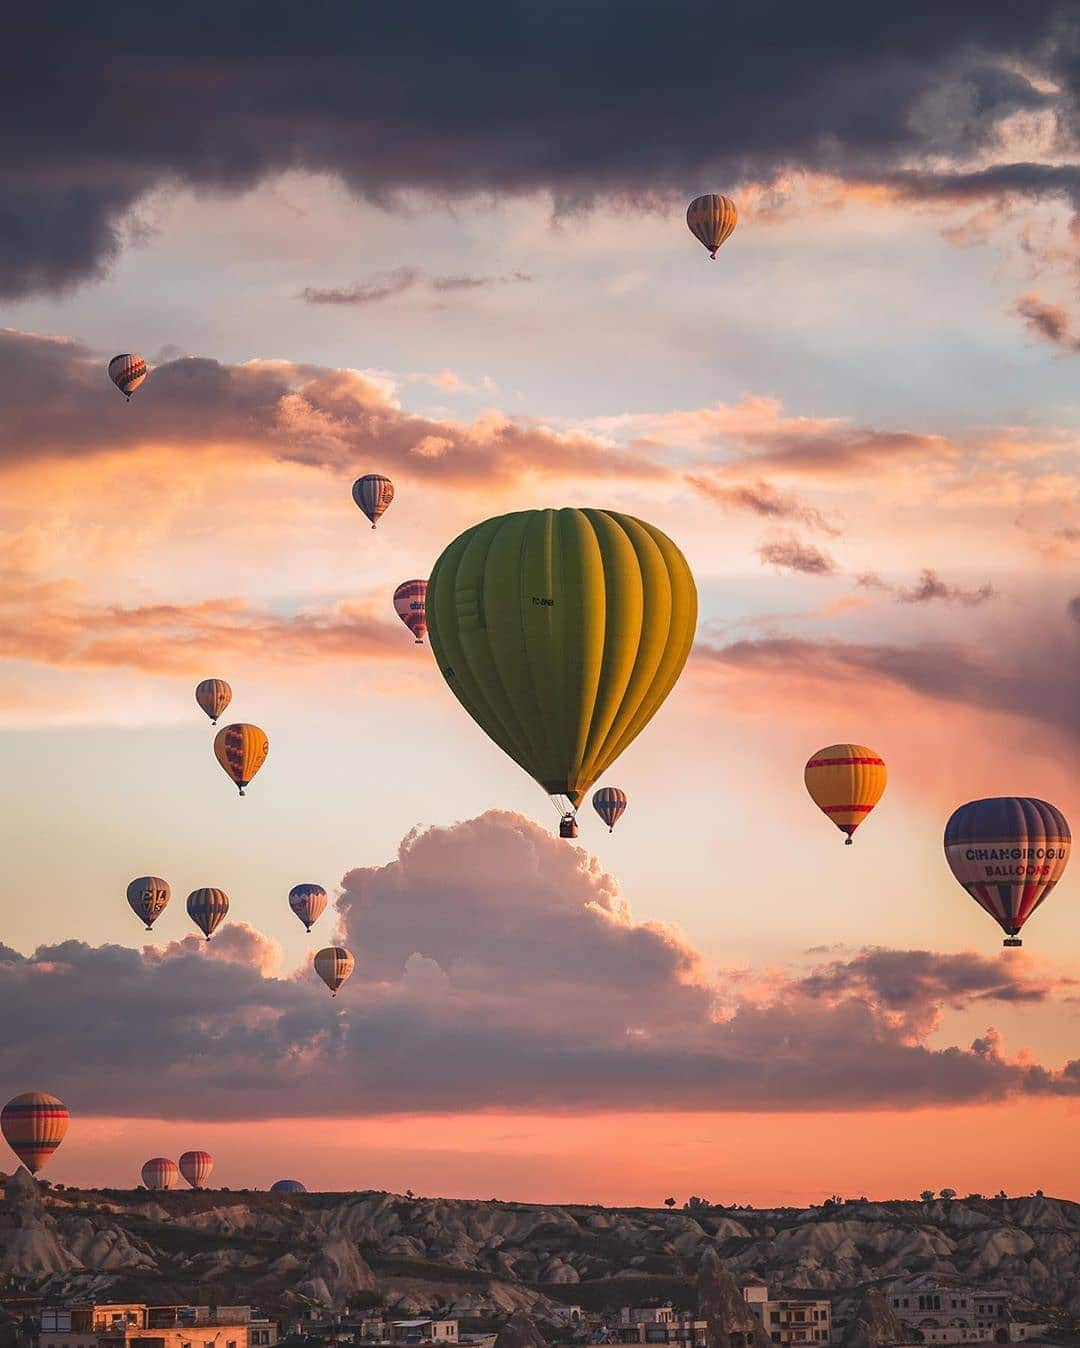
column 561, row 632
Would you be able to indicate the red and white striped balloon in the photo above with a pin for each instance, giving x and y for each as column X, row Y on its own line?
column 410, row 604
column 160, row 1173
column 195, row 1166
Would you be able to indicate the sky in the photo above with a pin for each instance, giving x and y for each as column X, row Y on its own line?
column 455, row 253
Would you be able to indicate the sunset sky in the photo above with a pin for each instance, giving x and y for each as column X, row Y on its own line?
column 451, row 248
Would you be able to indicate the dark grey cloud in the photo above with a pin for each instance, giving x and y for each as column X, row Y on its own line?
column 581, row 100
column 789, row 554
column 495, row 967
column 391, row 283
column 928, row 588
column 1049, row 322
column 1019, row 677
column 917, row 984
column 365, row 292
column 760, row 498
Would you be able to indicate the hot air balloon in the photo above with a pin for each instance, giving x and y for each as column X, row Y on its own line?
column 1008, row 852
column 127, row 372
column 845, row 782
column 195, row 1166
column 34, row 1125
column 241, row 750
column 409, row 603
column 609, row 803
column 288, row 1187
column 213, row 695
column 561, row 632
column 308, row 902
column 207, row 909
column 148, row 897
column 373, row 493
column 334, row 965
column 160, row 1173
column 711, row 219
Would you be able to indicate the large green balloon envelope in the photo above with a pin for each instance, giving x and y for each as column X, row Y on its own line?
column 561, row 632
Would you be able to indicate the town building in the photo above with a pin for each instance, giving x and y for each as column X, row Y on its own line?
column 938, row 1311
column 567, row 1315
column 137, row 1325
column 790, row 1319
column 327, row 1327
column 660, row 1323
column 1012, row 1332
column 424, row 1331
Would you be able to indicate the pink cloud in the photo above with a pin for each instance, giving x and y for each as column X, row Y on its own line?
column 497, row 966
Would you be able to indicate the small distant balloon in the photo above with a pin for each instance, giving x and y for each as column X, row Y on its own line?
column 845, row 782
column 334, row 965
column 195, row 1166
column 148, row 897
column 207, row 908
column 711, row 219
column 410, row 603
column 34, row 1125
column 287, row 1186
column 373, row 493
column 1008, row 852
column 213, row 695
column 160, row 1173
column 308, row 902
column 127, row 372
column 241, row 750
column 609, row 803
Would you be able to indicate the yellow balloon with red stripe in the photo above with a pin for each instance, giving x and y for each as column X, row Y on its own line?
column 34, row 1125
column 845, row 782
column 241, row 750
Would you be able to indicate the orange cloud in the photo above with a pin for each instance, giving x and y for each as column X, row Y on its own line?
column 58, row 405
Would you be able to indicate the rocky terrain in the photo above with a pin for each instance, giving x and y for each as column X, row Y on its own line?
column 491, row 1259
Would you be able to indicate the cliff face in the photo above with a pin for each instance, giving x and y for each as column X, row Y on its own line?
column 502, row 1258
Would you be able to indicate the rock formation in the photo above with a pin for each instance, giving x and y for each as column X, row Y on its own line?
column 873, row 1323
column 720, row 1302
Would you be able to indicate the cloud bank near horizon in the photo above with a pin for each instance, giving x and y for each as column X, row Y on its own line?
column 470, row 993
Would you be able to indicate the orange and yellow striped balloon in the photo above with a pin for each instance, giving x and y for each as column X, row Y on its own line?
column 34, row 1125
column 213, row 696
column 845, row 782
column 334, row 965
column 711, row 219
column 241, row 750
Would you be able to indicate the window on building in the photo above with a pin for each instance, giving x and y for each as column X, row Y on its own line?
column 774, row 1318
column 775, row 1338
